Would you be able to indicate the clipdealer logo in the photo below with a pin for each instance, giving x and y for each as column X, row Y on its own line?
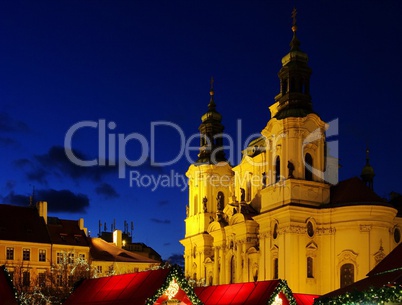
column 112, row 151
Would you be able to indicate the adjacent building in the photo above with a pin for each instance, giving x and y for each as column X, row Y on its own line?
column 43, row 251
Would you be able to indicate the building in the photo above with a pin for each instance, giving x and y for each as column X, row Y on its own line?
column 280, row 213
column 43, row 251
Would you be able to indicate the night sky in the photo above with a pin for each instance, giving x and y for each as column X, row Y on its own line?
column 130, row 65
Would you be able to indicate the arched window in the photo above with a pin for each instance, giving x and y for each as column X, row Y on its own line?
column 248, row 190
column 308, row 167
column 276, row 269
column 284, row 86
column 347, row 274
column 277, row 169
column 310, row 267
column 232, row 270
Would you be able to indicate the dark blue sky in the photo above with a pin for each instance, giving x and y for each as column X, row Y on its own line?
column 131, row 63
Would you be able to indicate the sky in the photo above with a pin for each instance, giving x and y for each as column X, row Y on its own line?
column 98, row 98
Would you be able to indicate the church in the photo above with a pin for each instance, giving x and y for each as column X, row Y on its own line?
column 281, row 213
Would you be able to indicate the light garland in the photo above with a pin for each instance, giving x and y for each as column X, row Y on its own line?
column 175, row 275
column 372, row 296
column 284, row 288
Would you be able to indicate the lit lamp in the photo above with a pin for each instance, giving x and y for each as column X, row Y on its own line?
column 124, row 243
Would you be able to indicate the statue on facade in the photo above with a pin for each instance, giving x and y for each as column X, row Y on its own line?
column 204, row 202
column 220, row 203
column 291, row 168
column 243, row 194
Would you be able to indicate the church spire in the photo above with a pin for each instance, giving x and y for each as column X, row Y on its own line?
column 367, row 174
column 211, row 129
column 294, row 98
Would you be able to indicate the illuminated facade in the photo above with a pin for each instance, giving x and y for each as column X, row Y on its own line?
column 280, row 213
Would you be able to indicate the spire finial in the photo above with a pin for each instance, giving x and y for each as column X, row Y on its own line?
column 211, row 104
column 294, row 25
column 211, row 91
column 367, row 155
column 295, row 43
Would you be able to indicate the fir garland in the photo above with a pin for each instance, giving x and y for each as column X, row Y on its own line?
column 177, row 275
column 282, row 287
column 372, row 296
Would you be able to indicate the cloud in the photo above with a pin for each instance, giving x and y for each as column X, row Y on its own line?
column 17, row 199
column 107, row 191
column 58, row 200
column 56, row 163
column 176, row 259
column 165, row 221
column 11, row 125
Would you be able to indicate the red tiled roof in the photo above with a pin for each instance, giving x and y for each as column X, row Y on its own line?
column 6, row 290
column 22, row 224
column 104, row 251
column 354, row 190
column 66, row 232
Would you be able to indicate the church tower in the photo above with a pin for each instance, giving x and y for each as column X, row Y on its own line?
column 210, row 180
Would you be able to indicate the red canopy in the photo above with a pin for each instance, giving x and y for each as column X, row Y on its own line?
column 263, row 292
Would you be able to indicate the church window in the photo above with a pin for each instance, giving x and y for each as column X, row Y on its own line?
column 310, row 267
column 255, row 275
column 310, row 229
column 276, row 269
column 292, row 85
column 232, row 270
column 397, row 235
column 347, row 274
column 277, row 169
column 248, row 190
column 308, row 167
column 284, row 86
column 275, row 231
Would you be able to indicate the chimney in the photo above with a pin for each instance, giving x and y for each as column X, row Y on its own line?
column 81, row 225
column 117, row 238
column 41, row 206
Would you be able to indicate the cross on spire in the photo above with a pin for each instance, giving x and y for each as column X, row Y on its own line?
column 294, row 14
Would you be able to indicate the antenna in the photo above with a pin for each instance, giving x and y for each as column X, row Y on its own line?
column 32, row 197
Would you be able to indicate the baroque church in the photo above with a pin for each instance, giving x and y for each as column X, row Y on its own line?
column 280, row 213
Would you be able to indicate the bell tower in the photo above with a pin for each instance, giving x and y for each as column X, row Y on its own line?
column 210, row 182
column 294, row 99
column 295, row 138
